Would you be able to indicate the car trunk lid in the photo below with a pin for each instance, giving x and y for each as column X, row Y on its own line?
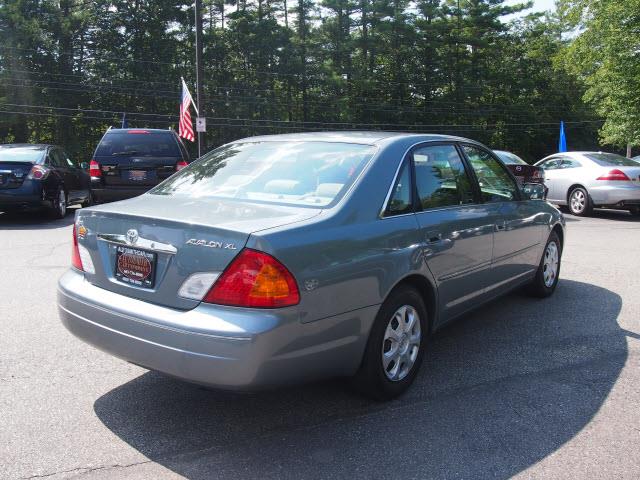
column 172, row 238
column 611, row 175
column 13, row 174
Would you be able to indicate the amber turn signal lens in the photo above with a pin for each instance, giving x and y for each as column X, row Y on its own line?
column 255, row 279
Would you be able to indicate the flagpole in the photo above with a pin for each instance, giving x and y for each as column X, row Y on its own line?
column 199, row 72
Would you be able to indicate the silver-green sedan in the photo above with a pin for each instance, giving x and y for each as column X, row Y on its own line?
column 289, row 258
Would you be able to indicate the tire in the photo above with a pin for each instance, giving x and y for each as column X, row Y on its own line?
column 546, row 280
column 59, row 206
column 89, row 201
column 579, row 202
column 373, row 379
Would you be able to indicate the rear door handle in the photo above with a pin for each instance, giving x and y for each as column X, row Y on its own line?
column 434, row 238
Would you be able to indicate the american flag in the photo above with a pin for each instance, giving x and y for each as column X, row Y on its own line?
column 185, row 126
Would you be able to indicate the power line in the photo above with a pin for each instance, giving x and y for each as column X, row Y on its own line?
column 286, row 122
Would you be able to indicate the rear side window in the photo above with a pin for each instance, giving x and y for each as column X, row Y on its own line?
column 496, row 185
column 400, row 200
column 441, row 179
column 149, row 144
column 56, row 158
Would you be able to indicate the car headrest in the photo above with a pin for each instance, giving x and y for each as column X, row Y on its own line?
column 328, row 189
column 281, row 186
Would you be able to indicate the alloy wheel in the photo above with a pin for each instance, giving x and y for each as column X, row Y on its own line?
column 401, row 343
column 62, row 203
column 550, row 264
column 578, row 201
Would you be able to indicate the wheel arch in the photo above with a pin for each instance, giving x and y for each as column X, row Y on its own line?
column 557, row 228
column 572, row 188
column 426, row 290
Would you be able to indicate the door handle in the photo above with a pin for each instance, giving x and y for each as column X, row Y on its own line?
column 433, row 238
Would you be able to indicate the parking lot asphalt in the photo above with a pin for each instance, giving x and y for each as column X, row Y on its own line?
column 521, row 387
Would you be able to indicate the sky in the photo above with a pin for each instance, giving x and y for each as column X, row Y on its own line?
column 538, row 5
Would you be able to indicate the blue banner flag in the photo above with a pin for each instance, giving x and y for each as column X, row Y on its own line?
column 125, row 123
column 562, row 143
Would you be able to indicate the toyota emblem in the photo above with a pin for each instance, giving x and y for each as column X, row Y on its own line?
column 132, row 236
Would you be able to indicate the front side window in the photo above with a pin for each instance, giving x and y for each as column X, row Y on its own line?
column 568, row 163
column 400, row 200
column 551, row 164
column 496, row 185
column 441, row 179
column 285, row 172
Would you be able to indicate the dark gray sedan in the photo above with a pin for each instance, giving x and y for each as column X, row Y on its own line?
column 288, row 258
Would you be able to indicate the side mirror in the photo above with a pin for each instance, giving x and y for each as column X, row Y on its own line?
column 533, row 191
column 84, row 165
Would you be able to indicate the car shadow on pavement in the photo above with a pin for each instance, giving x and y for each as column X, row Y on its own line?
column 34, row 220
column 500, row 390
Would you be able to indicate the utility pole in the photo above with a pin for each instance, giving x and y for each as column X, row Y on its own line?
column 199, row 72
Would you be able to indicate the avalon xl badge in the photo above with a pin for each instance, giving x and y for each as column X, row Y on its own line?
column 211, row 244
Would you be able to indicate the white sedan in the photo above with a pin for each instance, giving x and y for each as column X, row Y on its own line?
column 586, row 180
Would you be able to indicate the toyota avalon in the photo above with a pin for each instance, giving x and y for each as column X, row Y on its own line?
column 288, row 258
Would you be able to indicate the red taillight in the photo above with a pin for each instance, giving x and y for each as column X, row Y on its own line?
column 94, row 169
column 38, row 172
column 138, row 132
column 614, row 174
column 180, row 165
column 75, row 251
column 255, row 279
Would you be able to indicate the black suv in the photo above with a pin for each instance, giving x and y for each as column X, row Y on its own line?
column 41, row 177
column 129, row 161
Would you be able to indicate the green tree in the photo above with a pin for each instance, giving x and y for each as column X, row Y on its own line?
column 605, row 55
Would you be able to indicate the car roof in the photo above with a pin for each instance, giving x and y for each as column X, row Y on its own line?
column 350, row 136
column 34, row 146
column 575, row 154
column 150, row 130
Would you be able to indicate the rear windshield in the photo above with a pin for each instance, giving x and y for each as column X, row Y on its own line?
column 294, row 173
column 510, row 158
column 150, row 144
column 611, row 160
column 22, row 154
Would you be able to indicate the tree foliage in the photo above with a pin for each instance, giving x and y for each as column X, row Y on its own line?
column 606, row 56
column 70, row 68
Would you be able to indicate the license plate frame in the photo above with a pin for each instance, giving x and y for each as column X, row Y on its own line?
column 135, row 266
column 138, row 175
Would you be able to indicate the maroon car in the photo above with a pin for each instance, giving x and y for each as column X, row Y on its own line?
column 523, row 172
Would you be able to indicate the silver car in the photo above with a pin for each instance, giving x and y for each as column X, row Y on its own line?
column 289, row 258
column 586, row 180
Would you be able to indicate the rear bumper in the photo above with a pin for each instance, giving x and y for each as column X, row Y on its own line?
column 25, row 197
column 222, row 347
column 111, row 194
column 615, row 196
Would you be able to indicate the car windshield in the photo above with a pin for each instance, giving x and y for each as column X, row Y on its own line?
column 294, row 173
column 141, row 143
column 22, row 154
column 510, row 158
column 611, row 160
